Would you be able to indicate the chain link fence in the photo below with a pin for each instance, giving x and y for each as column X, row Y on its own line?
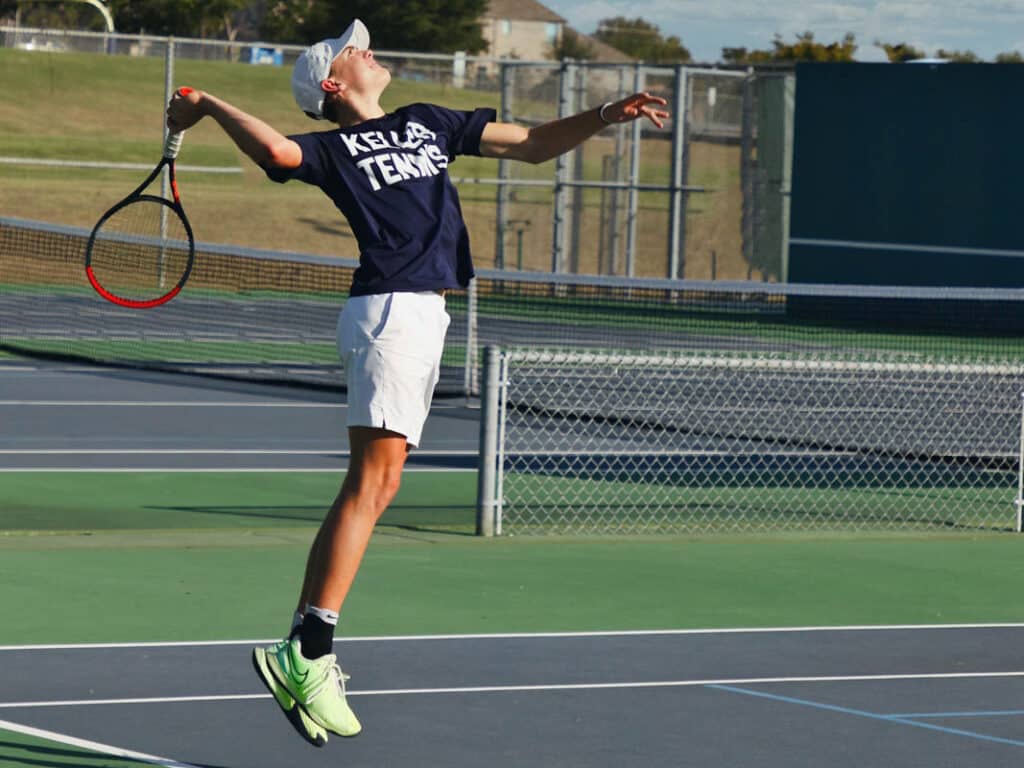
column 634, row 201
column 623, row 444
column 765, row 407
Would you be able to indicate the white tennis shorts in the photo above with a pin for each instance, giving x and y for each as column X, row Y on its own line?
column 391, row 346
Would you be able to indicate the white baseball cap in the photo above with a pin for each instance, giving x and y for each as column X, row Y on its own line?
column 314, row 66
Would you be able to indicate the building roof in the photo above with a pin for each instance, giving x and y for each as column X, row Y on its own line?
column 521, row 10
column 602, row 51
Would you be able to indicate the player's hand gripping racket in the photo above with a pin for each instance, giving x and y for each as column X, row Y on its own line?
column 140, row 252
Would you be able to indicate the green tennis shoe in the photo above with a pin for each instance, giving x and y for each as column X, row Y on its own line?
column 306, row 726
column 316, row 686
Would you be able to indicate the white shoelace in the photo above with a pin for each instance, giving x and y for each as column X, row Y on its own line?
column 341, row 677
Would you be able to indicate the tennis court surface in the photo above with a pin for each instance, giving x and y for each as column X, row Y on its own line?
column 143, row 567
column 940, row 696
column 866, row 477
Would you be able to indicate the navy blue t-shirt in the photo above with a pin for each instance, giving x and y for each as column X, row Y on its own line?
column 388, row 177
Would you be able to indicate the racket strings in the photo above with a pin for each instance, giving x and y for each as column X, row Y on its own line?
column 141, row 251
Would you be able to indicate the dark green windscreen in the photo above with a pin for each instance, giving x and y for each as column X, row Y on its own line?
column 925, row 155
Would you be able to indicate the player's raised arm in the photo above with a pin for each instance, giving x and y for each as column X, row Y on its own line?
column 261, row 142
column 536, row 145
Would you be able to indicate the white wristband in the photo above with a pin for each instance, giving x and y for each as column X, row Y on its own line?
column 600, row 113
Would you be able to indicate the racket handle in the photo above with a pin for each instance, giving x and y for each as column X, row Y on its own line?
column 173, row 144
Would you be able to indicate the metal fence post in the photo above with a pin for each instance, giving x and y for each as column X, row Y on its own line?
column 459, row 69
column 502, row 195
column 165, row 176
column 168, row 90
column 634, row 178
column 615, row 200
column 563, row 171
column 747, row 167
column 486, row 488
column 677, row 207
column 579, row 97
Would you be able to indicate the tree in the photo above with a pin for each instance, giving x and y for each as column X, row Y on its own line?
column 900, row 52
column 960, row 57
column 443, row 26
column 641, row 40
column 53, row 15
column 285, row 20
column 571, row 46
column 737, row 55
column 1010, row 57
column 217, row 15
column 188, row 18
column 804, row 48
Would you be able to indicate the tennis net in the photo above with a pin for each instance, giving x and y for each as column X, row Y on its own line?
column 262, row 315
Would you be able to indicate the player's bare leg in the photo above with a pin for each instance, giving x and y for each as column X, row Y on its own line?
column 375, row 468
column 301, row 671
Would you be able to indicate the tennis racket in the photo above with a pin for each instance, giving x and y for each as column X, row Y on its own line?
column 140, row 252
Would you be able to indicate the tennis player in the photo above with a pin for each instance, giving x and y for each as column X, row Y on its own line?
column 387, row 174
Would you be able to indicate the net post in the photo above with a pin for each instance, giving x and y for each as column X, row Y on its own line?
column 470, row 381
column 499, row 494
column 1019, row 526
column 486, row 501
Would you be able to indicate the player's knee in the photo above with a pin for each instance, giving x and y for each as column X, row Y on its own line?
column 372, row 490
column 390, row 482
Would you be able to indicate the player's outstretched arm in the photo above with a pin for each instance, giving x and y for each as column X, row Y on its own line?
column 537, row 145
column 265, row 145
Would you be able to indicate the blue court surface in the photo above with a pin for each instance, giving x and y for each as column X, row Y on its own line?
column 840, row 697
column 78, row 418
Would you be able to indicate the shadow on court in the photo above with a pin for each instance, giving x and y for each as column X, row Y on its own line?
column 440, row 519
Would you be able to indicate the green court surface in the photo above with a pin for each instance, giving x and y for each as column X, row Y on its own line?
column 107, row 557
column 230, row 501
column 17, row 749
column 706, row 503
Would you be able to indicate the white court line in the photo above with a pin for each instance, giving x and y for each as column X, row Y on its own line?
column 214, row 451
column 149, row 700
column 215, row 469
column 58, row 372
column 166, row 404
column 93, row 746
column 187, row 404
column 542, row 688
column 535, row 635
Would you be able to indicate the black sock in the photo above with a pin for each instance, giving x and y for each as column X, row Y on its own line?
column 316, row 636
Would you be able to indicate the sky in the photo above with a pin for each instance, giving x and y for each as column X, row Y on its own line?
column 986, row 27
